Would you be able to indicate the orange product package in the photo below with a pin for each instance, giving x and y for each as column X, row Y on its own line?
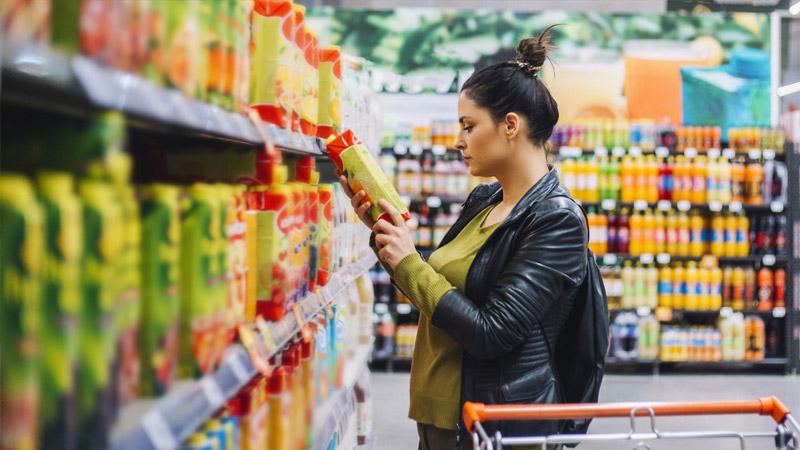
column 271, row 52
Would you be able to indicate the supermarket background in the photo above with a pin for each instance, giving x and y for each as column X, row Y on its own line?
column 180, row 271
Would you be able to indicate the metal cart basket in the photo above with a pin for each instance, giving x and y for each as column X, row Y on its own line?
column 784, row 436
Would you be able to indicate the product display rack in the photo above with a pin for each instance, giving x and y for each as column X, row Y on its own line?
column 173, row 417
column 37, row 77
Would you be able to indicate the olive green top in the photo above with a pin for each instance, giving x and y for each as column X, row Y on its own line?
column 436, row 367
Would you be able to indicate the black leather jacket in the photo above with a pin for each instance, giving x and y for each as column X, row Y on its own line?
column 519, row 291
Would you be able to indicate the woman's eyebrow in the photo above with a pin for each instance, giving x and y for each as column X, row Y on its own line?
column 462, row 118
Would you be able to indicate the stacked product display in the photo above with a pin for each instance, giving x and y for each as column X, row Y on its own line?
column 151, row 305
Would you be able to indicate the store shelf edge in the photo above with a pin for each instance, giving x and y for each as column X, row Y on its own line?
column 168, row 423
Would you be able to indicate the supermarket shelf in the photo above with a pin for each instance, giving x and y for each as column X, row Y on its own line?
column 662, row 152
column 666, row 205
column 434, row 201
column 616, row 365
column 38, row 77
column 164, row 423
column 669, row 314
column 666, row 258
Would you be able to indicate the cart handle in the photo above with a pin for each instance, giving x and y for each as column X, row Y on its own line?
column 479, row 412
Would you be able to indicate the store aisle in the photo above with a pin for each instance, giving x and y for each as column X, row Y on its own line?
column 393, row 431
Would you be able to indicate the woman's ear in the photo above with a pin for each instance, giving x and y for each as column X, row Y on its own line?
column 511, row 125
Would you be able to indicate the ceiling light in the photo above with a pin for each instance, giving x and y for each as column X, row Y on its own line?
column 795, row 9
column 789, row 89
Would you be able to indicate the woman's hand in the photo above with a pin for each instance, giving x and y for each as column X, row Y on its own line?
column 357, row 200
column 393, row 240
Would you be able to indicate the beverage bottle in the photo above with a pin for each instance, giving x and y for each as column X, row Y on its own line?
column 766, row 235
column 683, row 234
column 780, row 236
column 679, row 179
column 660, row 232
column 742, row 238
column 652, row 287
column 753, row 236
column 614, row 181
column 612, row 232
column 682, row 139
column 641, row 178
column 628, row 286
column 652, row 180
column 679, row 287
column 731, row 228
column 672, row 232
column 780, row 288
column 623, row 232
column 696, row 232
column 718, row 235
column 693, row 288
column 628, row 175
column 766, row 286
column 582, row 179
column 738, row 292
column 727, row 287
column 648, row 232
column 569, row 176
column 749, row 294
column 665, row 286
column 591, row 218
column 640, row 286
column 592, row 181
column 738, row 180
column 724, row 183
column 716, row 138
column 754, row 179
column 663, row 181
column 712, row 181
column 636, row 234
column 699, row 174
column 716, row 288
column 602, row 234
column 603, row 180
column 706, row 290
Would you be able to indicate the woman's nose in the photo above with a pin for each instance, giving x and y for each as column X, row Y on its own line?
column 461, row 144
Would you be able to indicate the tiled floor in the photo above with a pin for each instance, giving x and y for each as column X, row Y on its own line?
column 394, row 431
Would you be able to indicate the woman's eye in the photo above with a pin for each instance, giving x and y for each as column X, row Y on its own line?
column 468, row 128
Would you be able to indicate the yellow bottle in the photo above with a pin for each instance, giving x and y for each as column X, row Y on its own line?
column 660, row 232
column 704, row 297
column 567, row 167
column 636, row 234
column 683, row 234
column 665, row 286
column 592, row 181
column 742, row 236
column 724, row 181
column 699, row 175
column 640, row 168
column 731, row 227
column 696, row 227
column 712, row 182
column 628, row 286
column 648, row 232
column 651, row 281
column 718, row 235
column 652, row 179
column 693, row 288
column 679, row 287
column 627, row 190
column 672, row 233
column 716, row 288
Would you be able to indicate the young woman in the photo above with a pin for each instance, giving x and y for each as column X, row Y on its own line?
column 495, row 294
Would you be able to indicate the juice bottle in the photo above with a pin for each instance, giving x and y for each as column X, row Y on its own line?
column 665, row 286
column 693, row 287
column 298, row 45
column 640, row 286
column 679, row 287
column 738, row 186
column 592, row 181
column 766, row 288
column 330, row 86
column 666, row 182
column 310, row 93
column 724, row 181
column 652, row 286
column 615, row 180
column 672, row 232
column 705, row 290
column 628, row 175
column 652, row 180
column 750, row 294
column 754, row 178
column 712, row 181
column 581, row 179
column 362, row 172
column 648, row 232
column 568, row 171
column 716, row 288
column 279, row 401
column 636, row 234
column 780, row 288
column 623, row 232
column 683, row 234
column 731, row 231
column 679, row 178
column 602, row 234
column 699, row 173
column 727, row 286
column 612, row 232
column 306, row 174
column 629, row 286
column 738, row 290
column 325, row 215
column 641, row 179
column 271, row 61
column 742, row 238
column 696, row 232
column 660, row 232
column 718, row 235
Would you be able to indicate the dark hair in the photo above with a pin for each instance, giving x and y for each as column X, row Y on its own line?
column 514, row 86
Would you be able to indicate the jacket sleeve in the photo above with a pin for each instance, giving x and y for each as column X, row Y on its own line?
column 551, row 257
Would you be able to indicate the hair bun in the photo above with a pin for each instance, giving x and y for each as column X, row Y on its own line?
column 533, row 50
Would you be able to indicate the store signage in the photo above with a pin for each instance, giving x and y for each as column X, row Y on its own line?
column 727, row 5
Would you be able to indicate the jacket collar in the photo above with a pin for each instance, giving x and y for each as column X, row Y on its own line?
column 538, row 192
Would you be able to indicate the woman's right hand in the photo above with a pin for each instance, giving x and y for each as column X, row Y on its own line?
column 357, row 199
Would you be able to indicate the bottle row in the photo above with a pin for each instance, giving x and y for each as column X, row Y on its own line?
column 442, row 174
column 694, row 288
column 648, row 135
column 276, row 409
column 734, row 338
column 115, row 290
column 697, row 180
column 681, row 234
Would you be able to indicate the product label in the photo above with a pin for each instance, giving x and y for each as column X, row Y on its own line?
column 364, row 173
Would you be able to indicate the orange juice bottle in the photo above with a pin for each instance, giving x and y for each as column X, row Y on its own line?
column 738, row 289
column 640, row 169
column 648, row 232
column 718, row 235
column 693, row 287
column 696, row 231
column 652, row 179
column 672, row 232
column 742, row 236
column 680, row 189
column 592, row 181
column 738, row 186
column 683, row 234
column 731, row 230
column 705, row 290
column 724, row 181
column 712, row 181
column 569, row 177
column 581, row 180
column 716, row 288
column 591, row 218
column 602, row 231
column 627, row 173
column 636, row 233
column 660, row 232
column 665, row 286
column 727, row 286
column 754, row 177
column 699, row 173
column 679, row 287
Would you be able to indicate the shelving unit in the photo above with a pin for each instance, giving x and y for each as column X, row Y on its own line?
column 655, row 367
column 166, row 422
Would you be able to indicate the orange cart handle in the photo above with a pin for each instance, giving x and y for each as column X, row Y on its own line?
column 478, row 412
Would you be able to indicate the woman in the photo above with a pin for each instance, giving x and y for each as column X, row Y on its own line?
column 495, row 295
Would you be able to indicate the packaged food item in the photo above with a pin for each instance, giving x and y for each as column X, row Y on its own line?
column 271, row 60
column 27, row 21
column 161, row 230
column 61, row 302
column 254, row 415
column 362, row 171
column 236, row 276
column 214, row 59
column 180, row 58
column 306, row 174
column 298, row 69
column 330, row 87
column 310, row 94
column 22, row 241
column 279, row 434
column 241, row 65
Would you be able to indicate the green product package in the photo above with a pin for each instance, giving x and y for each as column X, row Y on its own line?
column 160, row 250
column 21, row 247
column 61, row 303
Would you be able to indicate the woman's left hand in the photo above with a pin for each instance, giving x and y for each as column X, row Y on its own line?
column 393, row 240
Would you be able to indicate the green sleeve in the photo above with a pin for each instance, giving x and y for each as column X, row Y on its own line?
column 421, row 283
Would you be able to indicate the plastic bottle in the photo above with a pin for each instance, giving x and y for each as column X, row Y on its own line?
column 623, row 232
column 660, row 232
column 629, row 286
column 680, row 189
column 712, row 181
column 641, row 187
column 612, row 232
column 780, row 288
column 640, row 286
column 750, row 289
column 754, row 178
column 615, row 180
column 652, row 180
column 754, row 338
column 705, row 290
column 591, row 219
column 665, row 286
column 766, row 288
column 651, row 287
column 636, row 233
column 742, row 238
column 696, row 233
column 581, row 179
column 279, row 400
column 738, row 289
column 724, row 183
column 602, row 234
column 648, row 232
column 592, row 181
column 665, row 182
column 693, row 287
column 628, row 175
column 718, row 235
column 569, row 177
column 679, row 287
column 699, row 173
column 738, row 186
column 727, row 286
column 672, row 232
column 715, row 301
column 683, row 234
column 731, row 247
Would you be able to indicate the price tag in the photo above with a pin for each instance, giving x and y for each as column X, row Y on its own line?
column 690, row 152
column 634, row 151
column 725, row 311
column 381, row 308
column 729, row 153
column 664, row 205
column 600, row 151
column 643, row 311
column 434, row 201
column 158, row 432
column 640, row 205
column 735, row 207
column 713, row 153
column 776, row 207
column 646, row 258
column 212, row 391
column 403, row 308
column 439, row 149
column 663, row 314
column 662, row 152
column 778, row 312
column 266, row 335
column 305, row 331
column 400, row 148
column 768, row 154
column 715, row 206
column 610, row 259
column 663, row 258
column 618, row 152
column 415, row 149
column 768, row 260
column 684, row 205
column 238, row 369
column 754, row 153
column 608, row 204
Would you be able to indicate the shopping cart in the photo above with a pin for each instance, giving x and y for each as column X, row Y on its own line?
column 475, row 413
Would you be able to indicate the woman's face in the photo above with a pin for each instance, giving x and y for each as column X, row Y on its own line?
column 483, row 142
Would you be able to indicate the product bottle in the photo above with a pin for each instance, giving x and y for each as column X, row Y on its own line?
column 749, row 291
column 724, row 181
column 648, row 232
column 640, row 286
column 636, row 234
column 628, row 174
column 612, row 232
column 652, row 180
column 651, row 287
column 665, row 287
column 699, row 174
column 696, row 232
column 742, row 238
column 766, row 286
column 780, row 288
column 738, row 189
column 754, row 178
column 641, row 187
column 731, row 247
column 629, row 286
column 716, row 288
column 679, row 287
column 623, row 232
column 672, row 232
column 718, row 235
column 602, row 234
column 780, row 236
column 683, row 234
column 665, row 179
column 712, row 181
column 693, row 287
column 660, row 232
column 704, row 289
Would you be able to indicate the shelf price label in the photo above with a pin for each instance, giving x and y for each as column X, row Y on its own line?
column 381, row 308
column 715, row 206
column 608, row 204
column 735, row 207
column 640, row 205
column 646, row 258
column 403, row 308
column 768, row 154
column 158, row 432
column 729, row 153
column 768, row 260
column 600, row 151
column 684, row 205
column 415, row 149
column 713, row 153
column 663, row 258
column 779, row 312
column 634, row 151
column 255, row 349
column 725, row 311
column 266, row 335
column 610, row 259
column 439, row 149
column 663, row 314
column 776, row 207
column 434, row 201
column 643, row 311
column 754, row 153
column 662, row 152
column 618, row 152
column 664, row 205
column 211, row 391
column 690, row 152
